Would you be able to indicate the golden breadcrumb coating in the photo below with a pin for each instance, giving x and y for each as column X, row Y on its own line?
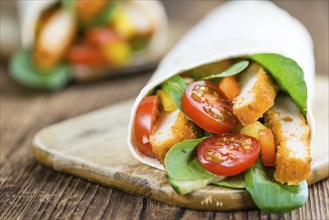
column 258, row 91
column 182, row 129
column 52, row 44
column 292, row 137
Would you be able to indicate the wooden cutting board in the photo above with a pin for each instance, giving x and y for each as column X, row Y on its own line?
column 93, row 147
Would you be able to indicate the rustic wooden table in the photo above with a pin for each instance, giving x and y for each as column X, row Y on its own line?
column 29, row 190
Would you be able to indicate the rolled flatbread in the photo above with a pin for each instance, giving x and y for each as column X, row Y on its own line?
column 30, row 12
column 235, row 29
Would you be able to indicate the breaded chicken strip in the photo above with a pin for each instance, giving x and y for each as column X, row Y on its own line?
column 171, row 128
column 258, row 92
column 53, row 39
column 292, row 136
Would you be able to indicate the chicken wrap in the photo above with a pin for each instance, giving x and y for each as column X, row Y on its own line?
column 86, row 40
column 230, row 106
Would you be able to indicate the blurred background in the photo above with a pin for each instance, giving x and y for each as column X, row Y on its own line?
column 185, row 14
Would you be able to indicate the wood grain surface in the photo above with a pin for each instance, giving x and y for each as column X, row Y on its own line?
column 29, row 190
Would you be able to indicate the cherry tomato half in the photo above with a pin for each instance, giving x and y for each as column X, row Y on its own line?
column 145, row 117
column 101, row 36
column 228, row 154
column 208, row 107
column 85, row 54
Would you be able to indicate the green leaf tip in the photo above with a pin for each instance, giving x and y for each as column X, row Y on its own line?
column 288, row 74
column 231, row 71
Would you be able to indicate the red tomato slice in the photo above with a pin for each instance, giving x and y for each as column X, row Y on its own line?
column 267, row 150
column 228, row 154
column 101, row 36
column 85, row 54
column 145, row 117
column 207, row 106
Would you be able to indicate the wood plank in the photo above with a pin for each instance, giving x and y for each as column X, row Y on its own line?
column 28, row 189
column 93, row 147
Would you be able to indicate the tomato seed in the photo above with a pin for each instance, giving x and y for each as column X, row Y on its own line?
column 246, row 147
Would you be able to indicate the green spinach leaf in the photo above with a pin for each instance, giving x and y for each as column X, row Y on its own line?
column 181, row 161
column 23, row 71
column 232, row 70
column 104, row 17
column 70, row 4
column 235, row 182
column 199, row 72
column 184, row 171
column 183, row 187
column 175, row 87
column 272, row 196
column 288, row 75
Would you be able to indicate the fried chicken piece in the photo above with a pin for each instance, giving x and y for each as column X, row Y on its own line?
column 54, row 38
column 258, row 91
column 171, row 128
column 292, row 137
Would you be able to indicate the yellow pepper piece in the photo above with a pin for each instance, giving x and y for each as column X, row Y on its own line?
column 166, row 101
column 252, row 130
column 123, row 24
column 117, row 53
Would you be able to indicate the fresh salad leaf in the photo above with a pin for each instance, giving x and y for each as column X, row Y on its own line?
column 288, row 75
column 181, row 161
column 232, row 70
column 175, row 87
column 272, row 196
column 67, row 3
column 183, row 187
column 235, row 182
column 197, row 73
column 23, row 71
column 185, row 173
column 104, row 17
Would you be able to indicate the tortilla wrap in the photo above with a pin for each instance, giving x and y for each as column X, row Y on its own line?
column 235, row 29
column 30, row 12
